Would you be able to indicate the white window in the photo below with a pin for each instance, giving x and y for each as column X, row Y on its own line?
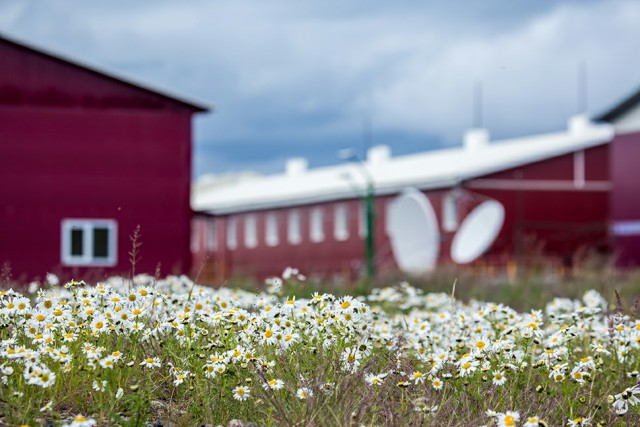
column 293, row 227
column 449, row 212
column 362, row 220
column 212, row 238
column 195, row 236
column 232, row 233
column 316, row 226
column 271, row 229
column 250, row 231
column 89, row 242
column 340, row 223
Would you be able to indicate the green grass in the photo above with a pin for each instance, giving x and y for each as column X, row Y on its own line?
column 328, row 346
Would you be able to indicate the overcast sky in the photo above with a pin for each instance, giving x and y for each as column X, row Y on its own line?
column 299, row 78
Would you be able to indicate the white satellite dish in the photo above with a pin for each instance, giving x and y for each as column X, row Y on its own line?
column 477, row 232
column 413, row 230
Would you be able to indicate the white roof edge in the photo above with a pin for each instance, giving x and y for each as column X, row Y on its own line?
column 500, row 155
column 323, row 198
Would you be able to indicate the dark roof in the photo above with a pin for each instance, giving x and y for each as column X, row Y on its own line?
column 196, row 107
column 620, row 108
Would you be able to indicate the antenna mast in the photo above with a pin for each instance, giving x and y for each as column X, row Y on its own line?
column 366, row 134
column 477, row 105
column 582, row 87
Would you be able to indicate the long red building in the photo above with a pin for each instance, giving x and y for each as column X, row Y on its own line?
column 624, row 203
column 563, row 196
column 86, row 158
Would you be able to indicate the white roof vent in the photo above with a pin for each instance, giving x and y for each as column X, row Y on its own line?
column 378, row 154
column 476, row 138
column 296, row 166
column 579, row 123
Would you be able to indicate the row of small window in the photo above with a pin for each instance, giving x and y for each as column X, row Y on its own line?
column 316, row 231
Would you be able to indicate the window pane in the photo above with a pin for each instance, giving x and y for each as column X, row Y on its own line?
column 293, row 228
column 211, row 235
column 340, row 225
column 250, row 231
column 271, row 229
column 232, row 240
column 77, row 242
column 316, row 232
column 196, row 226
column 449, row 212
column 100, row 242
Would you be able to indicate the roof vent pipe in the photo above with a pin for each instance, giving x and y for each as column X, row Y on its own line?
column 476, row 138
column 578, row 123
column 296, row 166
column 378, row 154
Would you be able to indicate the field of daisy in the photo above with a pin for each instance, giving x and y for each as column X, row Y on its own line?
column 148, row 351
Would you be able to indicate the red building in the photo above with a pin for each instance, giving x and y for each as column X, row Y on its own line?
column 86, row 157
column 486, row 202
column 624, row 199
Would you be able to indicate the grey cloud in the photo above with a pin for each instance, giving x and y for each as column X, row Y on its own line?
column 280, row 72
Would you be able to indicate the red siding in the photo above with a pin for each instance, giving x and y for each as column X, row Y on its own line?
column 597, row 163
column 625, row 203
column 132, row 167
column 558, row 168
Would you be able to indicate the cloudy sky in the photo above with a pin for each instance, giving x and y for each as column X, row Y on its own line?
column 300, row 78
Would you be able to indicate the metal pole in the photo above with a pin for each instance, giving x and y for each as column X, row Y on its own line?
column 368, row 200
column 370, row 241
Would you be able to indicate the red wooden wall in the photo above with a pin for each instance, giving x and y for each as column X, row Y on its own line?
column 625, row 199
column 78, row 144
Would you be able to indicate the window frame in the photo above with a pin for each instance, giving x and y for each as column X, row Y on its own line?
column 194, row 244
column 316, row 225
column 450, row 212
column 232, row 233
column 271, row 229
column 294, row 228
column 211, row 229
column 250, row 231
column 87, row 258
column 341, row 222
column 362, row 220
